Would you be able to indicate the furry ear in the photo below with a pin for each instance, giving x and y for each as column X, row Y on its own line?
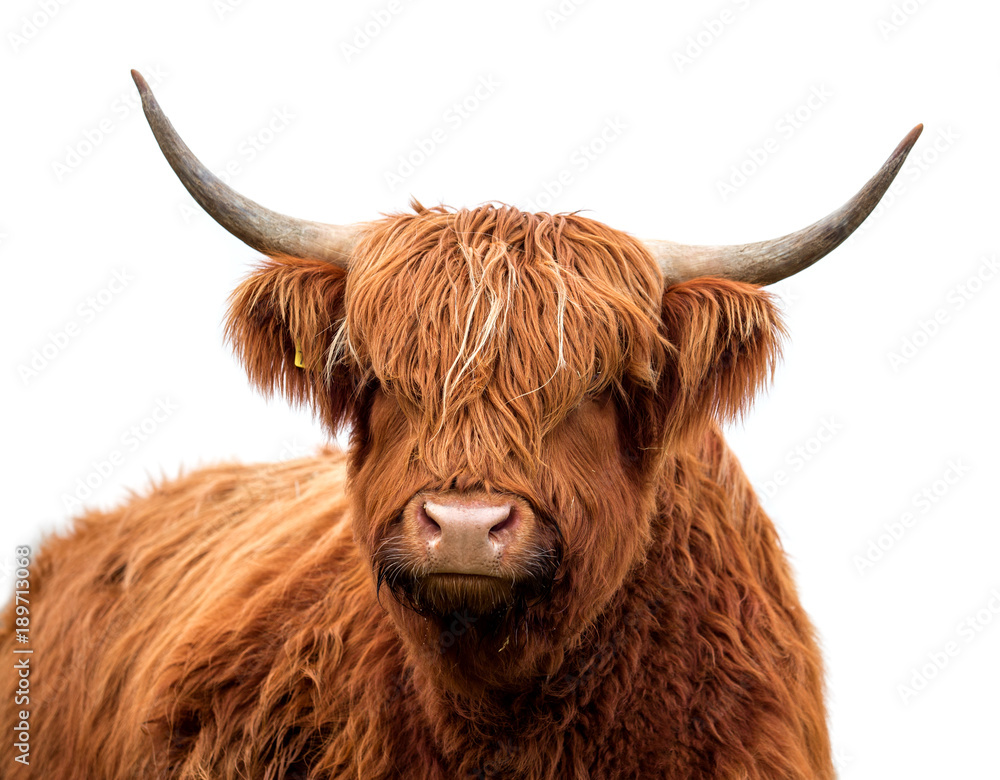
column 286, row 303
column 726, row 341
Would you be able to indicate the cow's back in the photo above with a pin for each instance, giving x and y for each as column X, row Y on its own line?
column 119, row 604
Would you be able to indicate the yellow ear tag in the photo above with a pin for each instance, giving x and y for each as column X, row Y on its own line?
column 298, row 356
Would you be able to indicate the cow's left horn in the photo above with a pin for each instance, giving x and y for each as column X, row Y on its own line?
column 266, row 231
column 767, row 262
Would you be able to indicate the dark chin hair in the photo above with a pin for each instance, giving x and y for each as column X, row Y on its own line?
column 489, row 603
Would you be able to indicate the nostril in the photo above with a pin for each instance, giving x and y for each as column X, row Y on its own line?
column 506, row 524
column 427, row 523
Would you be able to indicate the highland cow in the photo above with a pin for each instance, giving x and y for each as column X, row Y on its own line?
column 537, row 559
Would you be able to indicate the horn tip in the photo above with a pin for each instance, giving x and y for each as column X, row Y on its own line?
column 140, row 82
column 911, row 138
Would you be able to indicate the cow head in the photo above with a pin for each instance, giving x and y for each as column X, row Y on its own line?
column 514, row 384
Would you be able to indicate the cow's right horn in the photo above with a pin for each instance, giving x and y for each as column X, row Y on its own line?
column 266, row 231
column 767, row 262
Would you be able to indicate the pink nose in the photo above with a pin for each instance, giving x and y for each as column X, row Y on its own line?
column 466, row 536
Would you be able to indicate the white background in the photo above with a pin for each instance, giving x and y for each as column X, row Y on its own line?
column 86, row 194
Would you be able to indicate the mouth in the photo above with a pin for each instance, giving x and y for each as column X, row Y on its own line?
column 444, row 594
column 476, row 594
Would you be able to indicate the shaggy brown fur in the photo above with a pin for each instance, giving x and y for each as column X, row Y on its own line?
column 228, row 624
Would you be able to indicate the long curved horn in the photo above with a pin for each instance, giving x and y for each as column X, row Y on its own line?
column 266, row 231
column 767, row 262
